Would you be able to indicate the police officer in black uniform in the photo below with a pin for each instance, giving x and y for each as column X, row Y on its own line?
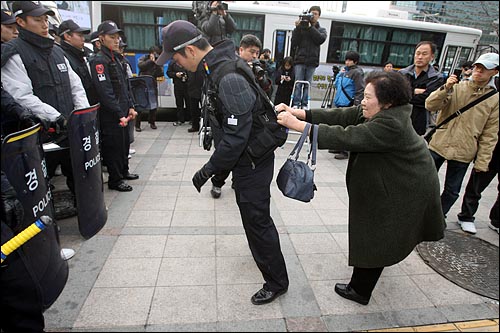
column 40, row 78
column 73, row 45
column 111, row 82
column 237, row 101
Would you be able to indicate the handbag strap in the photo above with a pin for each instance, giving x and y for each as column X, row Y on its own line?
column 314, row 147
column 298, row 146
column 465, row 108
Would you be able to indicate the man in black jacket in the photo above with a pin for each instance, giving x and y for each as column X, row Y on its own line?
column 423, row 79
column 307, row 38
column 147, row 66
column 73, row 43
column 236, row 102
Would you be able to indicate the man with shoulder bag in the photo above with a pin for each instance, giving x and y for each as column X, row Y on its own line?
column 471, row 134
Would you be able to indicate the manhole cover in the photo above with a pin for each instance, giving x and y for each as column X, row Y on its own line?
column 465, row 260
column 64, row 205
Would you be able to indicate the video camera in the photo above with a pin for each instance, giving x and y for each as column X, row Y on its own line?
column 305, row 18
column 258, row 71
column 220, row 6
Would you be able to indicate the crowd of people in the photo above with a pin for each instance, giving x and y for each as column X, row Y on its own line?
column 377, row 122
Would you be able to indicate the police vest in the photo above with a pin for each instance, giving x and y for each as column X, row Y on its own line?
column 266, row 134
column 48, row 74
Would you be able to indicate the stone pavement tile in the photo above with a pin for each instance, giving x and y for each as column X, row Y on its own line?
column 283, row 203
column 160, row 191
column 326, row 266
column 462, row 312
column 441, row 291
column 414, row 265
column 286, row 245
column 176, row 148
column 300, row 300
column 300, row 218
column 183, row 304
column 228, row 218
column 232, row 246
column 394, row 270
column 267, row 325
column 184, row 246
column 357, row 322
column 140, row 272
column 134, row 246
column 388, row 294
column 331, row 202
column 149, row 218
column 331, row 303
column 303, row 229
column 227, row 201
column 237, row 270
column 305, row 324
column 202, row 204
column 342, row 239
column 333, row 216
column 233, row 304
column 314, row 243
column 187, row 272
column 115, row 307
column 437, row 328
column 195, row 218
column 202, row 327
column 415, row 317
column 111, row 329
column 145, row 203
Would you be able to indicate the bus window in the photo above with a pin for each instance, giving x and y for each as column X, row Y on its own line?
column 451, row 53
column 247, row 24
column 282, row 43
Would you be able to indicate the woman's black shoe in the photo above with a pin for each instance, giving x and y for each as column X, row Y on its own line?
column 122, row 187
column 132, row 176
column 346, row 291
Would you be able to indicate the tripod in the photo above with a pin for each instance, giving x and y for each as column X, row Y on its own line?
column 330, row 92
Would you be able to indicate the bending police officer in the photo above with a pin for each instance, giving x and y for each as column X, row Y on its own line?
column 236, row 102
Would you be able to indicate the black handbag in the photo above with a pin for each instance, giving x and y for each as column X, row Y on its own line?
column 296, row 178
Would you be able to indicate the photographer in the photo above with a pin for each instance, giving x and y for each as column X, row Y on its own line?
column 147, row 66
column 218, row 24
column 180, row 77
column 249, row 51
column 307, row 37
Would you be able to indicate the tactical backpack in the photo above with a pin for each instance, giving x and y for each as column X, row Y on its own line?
column 267, row 134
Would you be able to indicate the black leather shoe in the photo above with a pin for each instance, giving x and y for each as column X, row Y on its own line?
column 132, row 176
column 138, row 129
column 122, row 187
column 346, row 291
column 263, row 296
column 191, row 130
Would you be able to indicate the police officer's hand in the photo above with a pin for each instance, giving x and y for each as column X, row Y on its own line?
column 14, row 211
column 59, row 124
column 202, row 176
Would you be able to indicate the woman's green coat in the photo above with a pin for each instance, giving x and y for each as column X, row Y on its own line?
column 393, row 185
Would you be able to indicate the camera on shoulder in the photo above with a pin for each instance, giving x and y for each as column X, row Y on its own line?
column 305, row 18
column 220, row 6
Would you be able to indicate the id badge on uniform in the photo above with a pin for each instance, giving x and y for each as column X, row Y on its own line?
column 232, row 121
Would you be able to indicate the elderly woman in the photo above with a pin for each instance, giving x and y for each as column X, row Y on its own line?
column 391, row 179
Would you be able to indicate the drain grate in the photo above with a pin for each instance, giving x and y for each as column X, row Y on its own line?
column 465, row 260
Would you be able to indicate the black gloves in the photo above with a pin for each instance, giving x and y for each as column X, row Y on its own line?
column 13, row 209
column 29, row 119
column 59, row 124
column 202, row 176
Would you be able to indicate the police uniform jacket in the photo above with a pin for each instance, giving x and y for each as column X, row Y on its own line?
column 78, row 61
column 392, row 182
column 40, row 78
column 111, row 82
column 236, row 102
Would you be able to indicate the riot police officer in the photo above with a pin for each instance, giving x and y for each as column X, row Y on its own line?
column 237, row 101
column 110, row 80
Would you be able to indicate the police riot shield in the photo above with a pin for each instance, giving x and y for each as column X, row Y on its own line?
column 83, row 135
column 144, row 92
column 24, row 165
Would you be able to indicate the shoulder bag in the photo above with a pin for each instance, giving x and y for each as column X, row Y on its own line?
column 428, row 135
column 296, row 178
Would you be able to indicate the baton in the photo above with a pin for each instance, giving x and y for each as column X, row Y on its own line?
column 20, row 239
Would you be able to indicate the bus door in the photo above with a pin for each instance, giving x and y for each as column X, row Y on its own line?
column 282, row 41
column 453, row 57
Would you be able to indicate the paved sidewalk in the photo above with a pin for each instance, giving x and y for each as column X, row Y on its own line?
column 170, row 259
